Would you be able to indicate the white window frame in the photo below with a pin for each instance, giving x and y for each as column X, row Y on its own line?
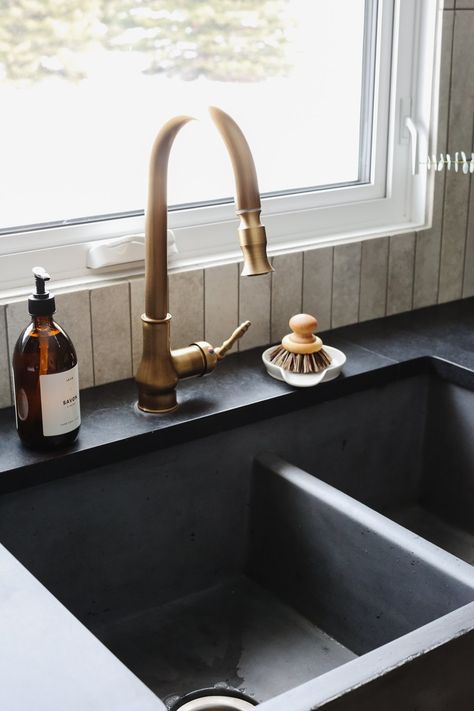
column 395, row 200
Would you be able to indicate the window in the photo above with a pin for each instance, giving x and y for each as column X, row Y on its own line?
column 320, row 89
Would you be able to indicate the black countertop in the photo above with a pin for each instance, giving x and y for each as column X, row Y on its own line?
column 240, row 391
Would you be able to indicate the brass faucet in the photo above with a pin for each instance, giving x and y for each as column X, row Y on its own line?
column 160, row 367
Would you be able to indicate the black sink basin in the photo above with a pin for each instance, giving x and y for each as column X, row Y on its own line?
column 405, row 448
column 208, row 564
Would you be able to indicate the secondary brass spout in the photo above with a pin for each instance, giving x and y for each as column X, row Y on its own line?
column 160, row 368
column 253, row 240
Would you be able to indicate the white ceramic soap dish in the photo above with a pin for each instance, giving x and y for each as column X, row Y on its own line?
column 306, row 380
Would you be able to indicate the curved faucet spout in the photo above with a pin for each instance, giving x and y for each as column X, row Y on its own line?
column 246, row 183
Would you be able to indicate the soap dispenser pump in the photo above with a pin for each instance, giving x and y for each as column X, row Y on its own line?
column 45, row 375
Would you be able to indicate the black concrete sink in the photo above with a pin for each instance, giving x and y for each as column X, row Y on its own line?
column 210, row 563
column 405, row 448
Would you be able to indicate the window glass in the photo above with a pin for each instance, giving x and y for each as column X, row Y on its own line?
column 86, row 84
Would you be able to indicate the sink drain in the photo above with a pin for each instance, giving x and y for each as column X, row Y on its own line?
column 214, row 699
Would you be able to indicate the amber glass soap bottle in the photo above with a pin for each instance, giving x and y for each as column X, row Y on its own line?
column 45, row 376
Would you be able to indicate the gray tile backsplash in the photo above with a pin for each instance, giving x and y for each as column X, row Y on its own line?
column 454, row 238
column 79, row 330
column 346, row 284
column 317, row 284
column 428, row 242
column 221, row 302
column 255, row 296
column 186, row 307
column 401, row 267
column 111, row 334
column 137, row 308
column 17, row 318
column 460, row 137
column 5, row 390
column 373, row 279
column 287, row 285
column 468, row 281
column 340, row 285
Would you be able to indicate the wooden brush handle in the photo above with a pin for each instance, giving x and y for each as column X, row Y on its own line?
column 303, row 327
column 302, row 339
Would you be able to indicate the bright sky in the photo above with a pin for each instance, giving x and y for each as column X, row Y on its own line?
column 70, row 150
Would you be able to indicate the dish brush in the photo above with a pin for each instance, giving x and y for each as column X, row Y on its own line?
column 301, row 351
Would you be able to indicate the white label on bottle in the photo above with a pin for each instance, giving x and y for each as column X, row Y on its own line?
column 60, row 408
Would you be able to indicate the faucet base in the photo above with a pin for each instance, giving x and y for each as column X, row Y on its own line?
column 158, row 404
column 156, row 376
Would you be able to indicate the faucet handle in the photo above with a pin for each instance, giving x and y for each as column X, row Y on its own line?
column 227, row 345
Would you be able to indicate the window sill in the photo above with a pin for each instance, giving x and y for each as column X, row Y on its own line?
column 279, row 242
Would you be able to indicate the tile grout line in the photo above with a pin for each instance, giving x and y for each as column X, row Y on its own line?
column 204, row 304
column 331, row 304
column 448, row 120
column 92, row 337
column 302, row 280
column 130, row 316
column 412, row 295
column 9, row 359
column 389, row 253
column 414, row 272
column 360, row 279
column 237, row 289
column 238, row 303
column 468, row 217
column 270, row 327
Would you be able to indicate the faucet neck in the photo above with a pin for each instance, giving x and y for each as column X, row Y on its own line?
column 156, row 228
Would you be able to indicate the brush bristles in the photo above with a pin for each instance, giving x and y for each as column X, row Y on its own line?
column 298, row 362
